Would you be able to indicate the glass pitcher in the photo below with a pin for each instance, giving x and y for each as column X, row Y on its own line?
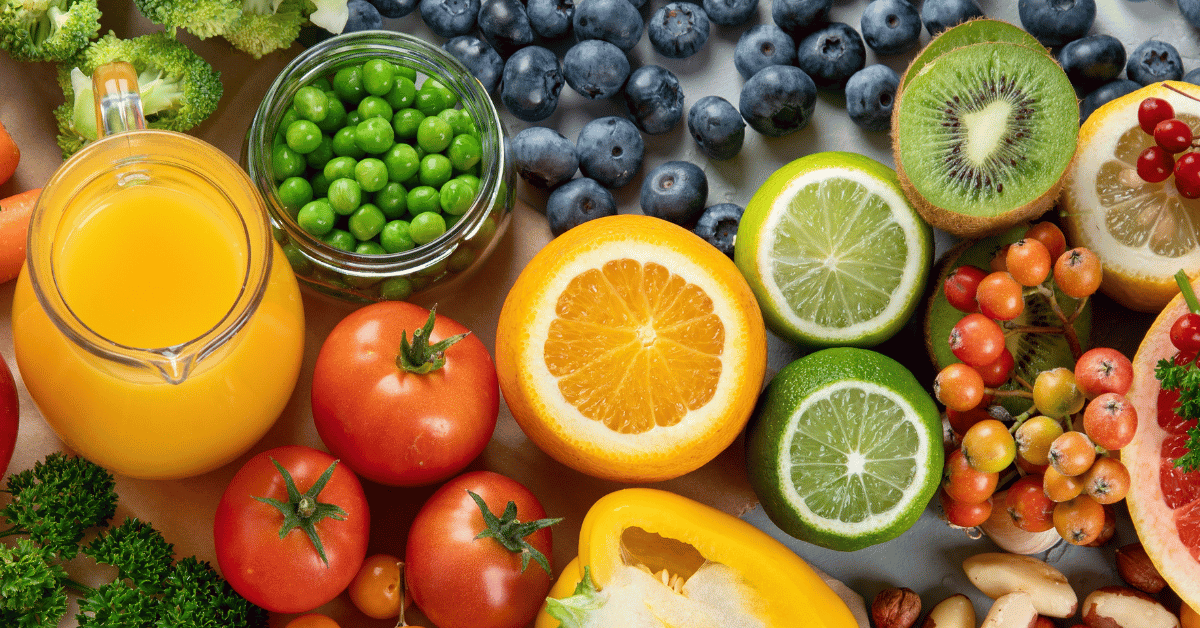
column 151, row 327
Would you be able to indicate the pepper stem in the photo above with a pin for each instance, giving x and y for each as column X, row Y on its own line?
column 419, row 356
column 1189, row 295
column 303, row 510
column 510, row 532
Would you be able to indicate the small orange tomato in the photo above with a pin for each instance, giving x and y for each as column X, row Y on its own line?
column 376, row 589
column 313, row 620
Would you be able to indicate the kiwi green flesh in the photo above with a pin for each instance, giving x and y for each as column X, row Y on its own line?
column 976, row 31
column 1032, row 353
column 985, row 130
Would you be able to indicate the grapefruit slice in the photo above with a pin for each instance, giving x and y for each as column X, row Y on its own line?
column 1164, row 501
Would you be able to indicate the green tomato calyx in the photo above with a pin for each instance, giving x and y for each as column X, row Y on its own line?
column 419, row 356
column 510, row 532
column 303, row 510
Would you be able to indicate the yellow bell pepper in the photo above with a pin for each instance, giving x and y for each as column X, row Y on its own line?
column 671, row 539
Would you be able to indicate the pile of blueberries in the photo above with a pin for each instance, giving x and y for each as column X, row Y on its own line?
column 783, row 63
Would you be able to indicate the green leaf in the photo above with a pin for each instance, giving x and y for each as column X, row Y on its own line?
column 137, row 550
column 57, row 500
column 31, row 587
column 573, row 612
column 1184, row 378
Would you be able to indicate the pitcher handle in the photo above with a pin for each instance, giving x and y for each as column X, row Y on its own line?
column 118, row 101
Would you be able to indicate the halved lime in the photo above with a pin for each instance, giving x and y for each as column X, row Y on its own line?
column 834, row 252
column 845, row 450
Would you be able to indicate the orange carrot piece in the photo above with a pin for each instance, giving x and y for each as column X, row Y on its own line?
column 9, row 155
column 14, row 229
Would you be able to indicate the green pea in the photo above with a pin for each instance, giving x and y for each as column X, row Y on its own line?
column 406, row 122
column 340, row 239
column 320, row 185
column 434, row 134
column 421, row 152
column 448, row 95
column 371, row 174
column 426, row 227
column 345, row 195
column 402, row 162
column 366, row 222
column 453, row 117
column 435, row 170
column 395, row 237
column 316, row 217
column 407, row 72
column 289, row 116
column 353, row 117
column 374, row 107
column 412, row 182
column 396, row 288
column 423, row 199
column 323, row 84
column 348, row 84
column 311, row 103
column 471, row 180
column 484, row 234
column 340, row 168
column 286, row 162
column 335, row 115
column 436, row 270
column 345, row 143
column 402, row 95
column 392, row 200
column 429, row 102
column 456, row 197
column 378, row 77
column 293, row 193
column 464, row 152
column 299, row 261
column 303, row 136
column 460, row 259
column 374, row 135
column 370, row 247
column 317, row 159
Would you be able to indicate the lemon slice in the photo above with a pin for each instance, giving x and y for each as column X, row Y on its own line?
column 1143, row 232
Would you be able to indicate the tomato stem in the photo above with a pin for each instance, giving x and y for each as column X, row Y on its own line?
column 419, row 356
column 1189, row 295
column 511, row 532
column 303, row 510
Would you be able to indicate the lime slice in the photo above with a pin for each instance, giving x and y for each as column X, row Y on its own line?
column 844, row 450
column 833, row 251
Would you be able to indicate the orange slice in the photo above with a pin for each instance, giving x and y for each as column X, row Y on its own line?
column 630, row 349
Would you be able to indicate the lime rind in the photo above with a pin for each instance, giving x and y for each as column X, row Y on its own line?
column 834, row 251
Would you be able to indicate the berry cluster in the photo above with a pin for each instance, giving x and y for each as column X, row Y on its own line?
column 1172, row 136
column 1065, row 480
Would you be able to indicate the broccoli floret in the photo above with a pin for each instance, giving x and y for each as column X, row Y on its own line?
column 47, row 30
column 179, row 88
column 31, row 594
column 262, row 29
column 202, row 18
column 57, row 500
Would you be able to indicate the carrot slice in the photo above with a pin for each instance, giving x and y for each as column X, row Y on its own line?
column 14, row 229
column 9, row 155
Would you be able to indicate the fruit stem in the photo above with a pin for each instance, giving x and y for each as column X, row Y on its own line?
column 1019, row 419
column 1177, row 91
column 996, row 392
column 1068, row 322
column 1024, row 384
column 1189, row 295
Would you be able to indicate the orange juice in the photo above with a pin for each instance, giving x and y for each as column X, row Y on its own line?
column 157, row 326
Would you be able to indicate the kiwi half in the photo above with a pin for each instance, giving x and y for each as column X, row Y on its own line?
column 983, row 136
column 976, row 31
column 1032, row 353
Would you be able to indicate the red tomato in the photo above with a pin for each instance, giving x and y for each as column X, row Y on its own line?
column 460, row 581
column 397, row 427
column 287, row 575
column 10, row 412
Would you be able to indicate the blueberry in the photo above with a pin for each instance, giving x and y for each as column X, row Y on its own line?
column 615, row 21
column 505, row 25
column 760, row 46
column 610, row 151
column 831, row 54
column 678, row 30
column 595, row 68
column 550, row 19
column 1109, row 91
column 798, row 17
column 394, row 8
column 938, row 15
column 718, row 226
column 717, row 127
column 778, row 100
column 1056, row 22
column 1092, row 61
column 1154, row 61
column 1191, row 11
column 532, row 82
column 576, row 202
column 870, row 94
column 675, row 191
column 891, row 26
column 654, row 99
column 363, row 17
column 481, row 59
column 450, row 18
column 1192, row 77
column 544, row 157
column 730, row 12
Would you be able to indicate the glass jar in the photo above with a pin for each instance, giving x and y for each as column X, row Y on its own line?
column 437, row 265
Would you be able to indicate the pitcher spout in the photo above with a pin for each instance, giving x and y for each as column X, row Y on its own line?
column 172, row 367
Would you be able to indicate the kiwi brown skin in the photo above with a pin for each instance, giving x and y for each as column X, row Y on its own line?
column 969, row 226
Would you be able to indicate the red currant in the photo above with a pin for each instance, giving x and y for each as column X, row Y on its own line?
column 1028, row 505
column 1155, row 164
column 958, row 387
column 1000, row 296
column 965, row 484
column 965, row 515
column 1050, row 236
column 1173, row 135
column 1110, row 420
column 976, row 340
column 1028, row 261
column 996, row 373
column 1187, row 175
column 1152, row 111
column 1185, row 333
column 1078, row 272
column 960, row 287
